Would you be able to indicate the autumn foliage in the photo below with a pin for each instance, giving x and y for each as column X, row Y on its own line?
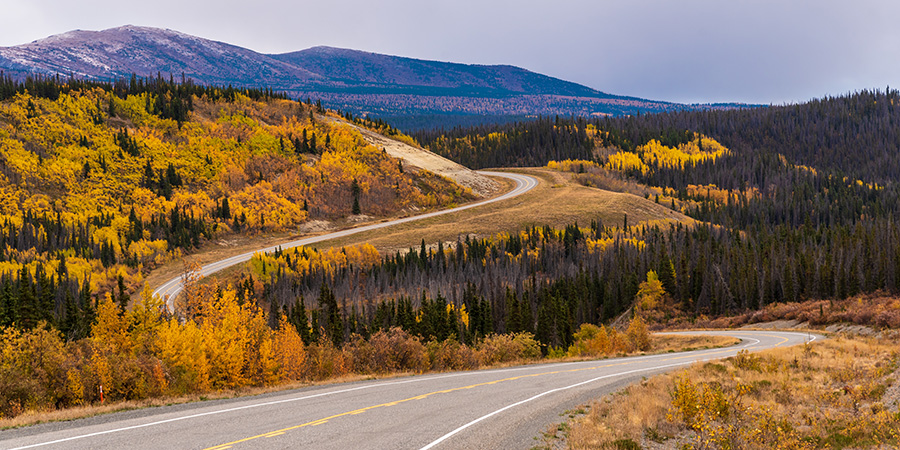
column 221, row 343
column 594, row 341
column 98, row 185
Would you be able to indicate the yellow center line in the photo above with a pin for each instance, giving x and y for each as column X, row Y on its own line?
column 397, row 402
column 444, row 391
column 783, row 339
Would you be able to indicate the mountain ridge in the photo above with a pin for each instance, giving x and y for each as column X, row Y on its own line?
column 364, row 83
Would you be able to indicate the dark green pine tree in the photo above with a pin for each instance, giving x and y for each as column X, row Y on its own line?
column 299, row 320
column 513, row 313
column 355, row 191
column 29, row 311
column 334, row 325
column 122, row 296
column 69, row 323
column 315, row 328
column 88, row 310
column 8, row 304
column 226, row 209
column 46, row 293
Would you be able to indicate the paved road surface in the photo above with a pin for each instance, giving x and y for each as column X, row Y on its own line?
column 170, row 289
column 491, row 409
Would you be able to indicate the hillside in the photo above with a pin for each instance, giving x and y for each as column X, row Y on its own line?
column 801, row 205
column 123, row 51
column 101, row 185
column 372, row 72
column 411, row 93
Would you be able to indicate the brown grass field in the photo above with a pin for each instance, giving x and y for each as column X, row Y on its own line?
column 843, row 392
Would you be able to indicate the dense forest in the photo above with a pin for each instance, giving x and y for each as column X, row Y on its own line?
column 100, row 182
column 792, row 206
column 549, row 282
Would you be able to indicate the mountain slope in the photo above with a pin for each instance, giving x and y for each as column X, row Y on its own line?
column 412, row 93
column 120, row 52
column 355, row 67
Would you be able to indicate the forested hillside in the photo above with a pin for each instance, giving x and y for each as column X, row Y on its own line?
column 793, row 205
column 854, row 135
column 102, row 181
column 99, row 182
column 827, row 162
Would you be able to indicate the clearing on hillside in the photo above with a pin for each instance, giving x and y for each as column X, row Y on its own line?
column 414, row 157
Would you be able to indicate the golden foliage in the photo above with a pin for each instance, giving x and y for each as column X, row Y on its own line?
column 303, row 260
column 650, row 292
column 593, row 341
column 654, row 154
column 66, row 157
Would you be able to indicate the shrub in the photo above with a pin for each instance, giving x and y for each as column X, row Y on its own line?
column 638, row 334
column 499, row 348
column 387, row 351
column 590, row 340
column 449, row 354
column 324, row 360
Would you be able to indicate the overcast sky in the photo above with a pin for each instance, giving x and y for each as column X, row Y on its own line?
column 755, row 51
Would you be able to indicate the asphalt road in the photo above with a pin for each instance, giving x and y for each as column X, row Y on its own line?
column 491, row 409
column 171, row 288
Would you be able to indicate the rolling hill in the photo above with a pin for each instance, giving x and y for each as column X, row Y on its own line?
column 412, row 93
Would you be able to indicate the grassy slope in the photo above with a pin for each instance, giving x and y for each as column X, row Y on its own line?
column 556, row 201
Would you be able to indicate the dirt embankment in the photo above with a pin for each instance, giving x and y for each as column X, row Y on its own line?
column 413, row 157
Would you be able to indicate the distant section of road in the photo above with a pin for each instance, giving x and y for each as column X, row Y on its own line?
column 172, row 288
column 501, row 408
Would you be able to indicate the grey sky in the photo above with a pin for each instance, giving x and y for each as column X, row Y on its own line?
column 760, row 51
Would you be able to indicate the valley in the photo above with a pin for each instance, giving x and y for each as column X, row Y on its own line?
column 307, row 249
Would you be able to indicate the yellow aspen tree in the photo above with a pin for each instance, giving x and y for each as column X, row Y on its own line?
column 181, row 348
column 111, row 329
column 289, row 350
column 638, row 334
column 146, row 316
column 650, row 292
column 226, row 340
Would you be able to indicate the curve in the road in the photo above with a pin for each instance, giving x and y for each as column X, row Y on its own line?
column 170, row 289
column 499, row 408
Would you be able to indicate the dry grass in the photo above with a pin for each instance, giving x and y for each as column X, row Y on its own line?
column 831, row 394
column 677, row 343
column 556, row 201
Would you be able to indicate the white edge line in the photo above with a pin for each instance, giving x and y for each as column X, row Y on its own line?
column 323, row 394
column 486, row 416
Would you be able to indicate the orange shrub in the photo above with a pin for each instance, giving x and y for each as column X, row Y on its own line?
column 324, row 360
column 394, row 350
column 449, row 354
column 500, row 348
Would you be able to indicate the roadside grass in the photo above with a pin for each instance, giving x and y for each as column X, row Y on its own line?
column 556, row 201
column 838, row 393
column 660, row 344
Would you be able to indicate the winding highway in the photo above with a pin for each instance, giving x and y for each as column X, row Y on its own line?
column 500, row 408
column 170, row 289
